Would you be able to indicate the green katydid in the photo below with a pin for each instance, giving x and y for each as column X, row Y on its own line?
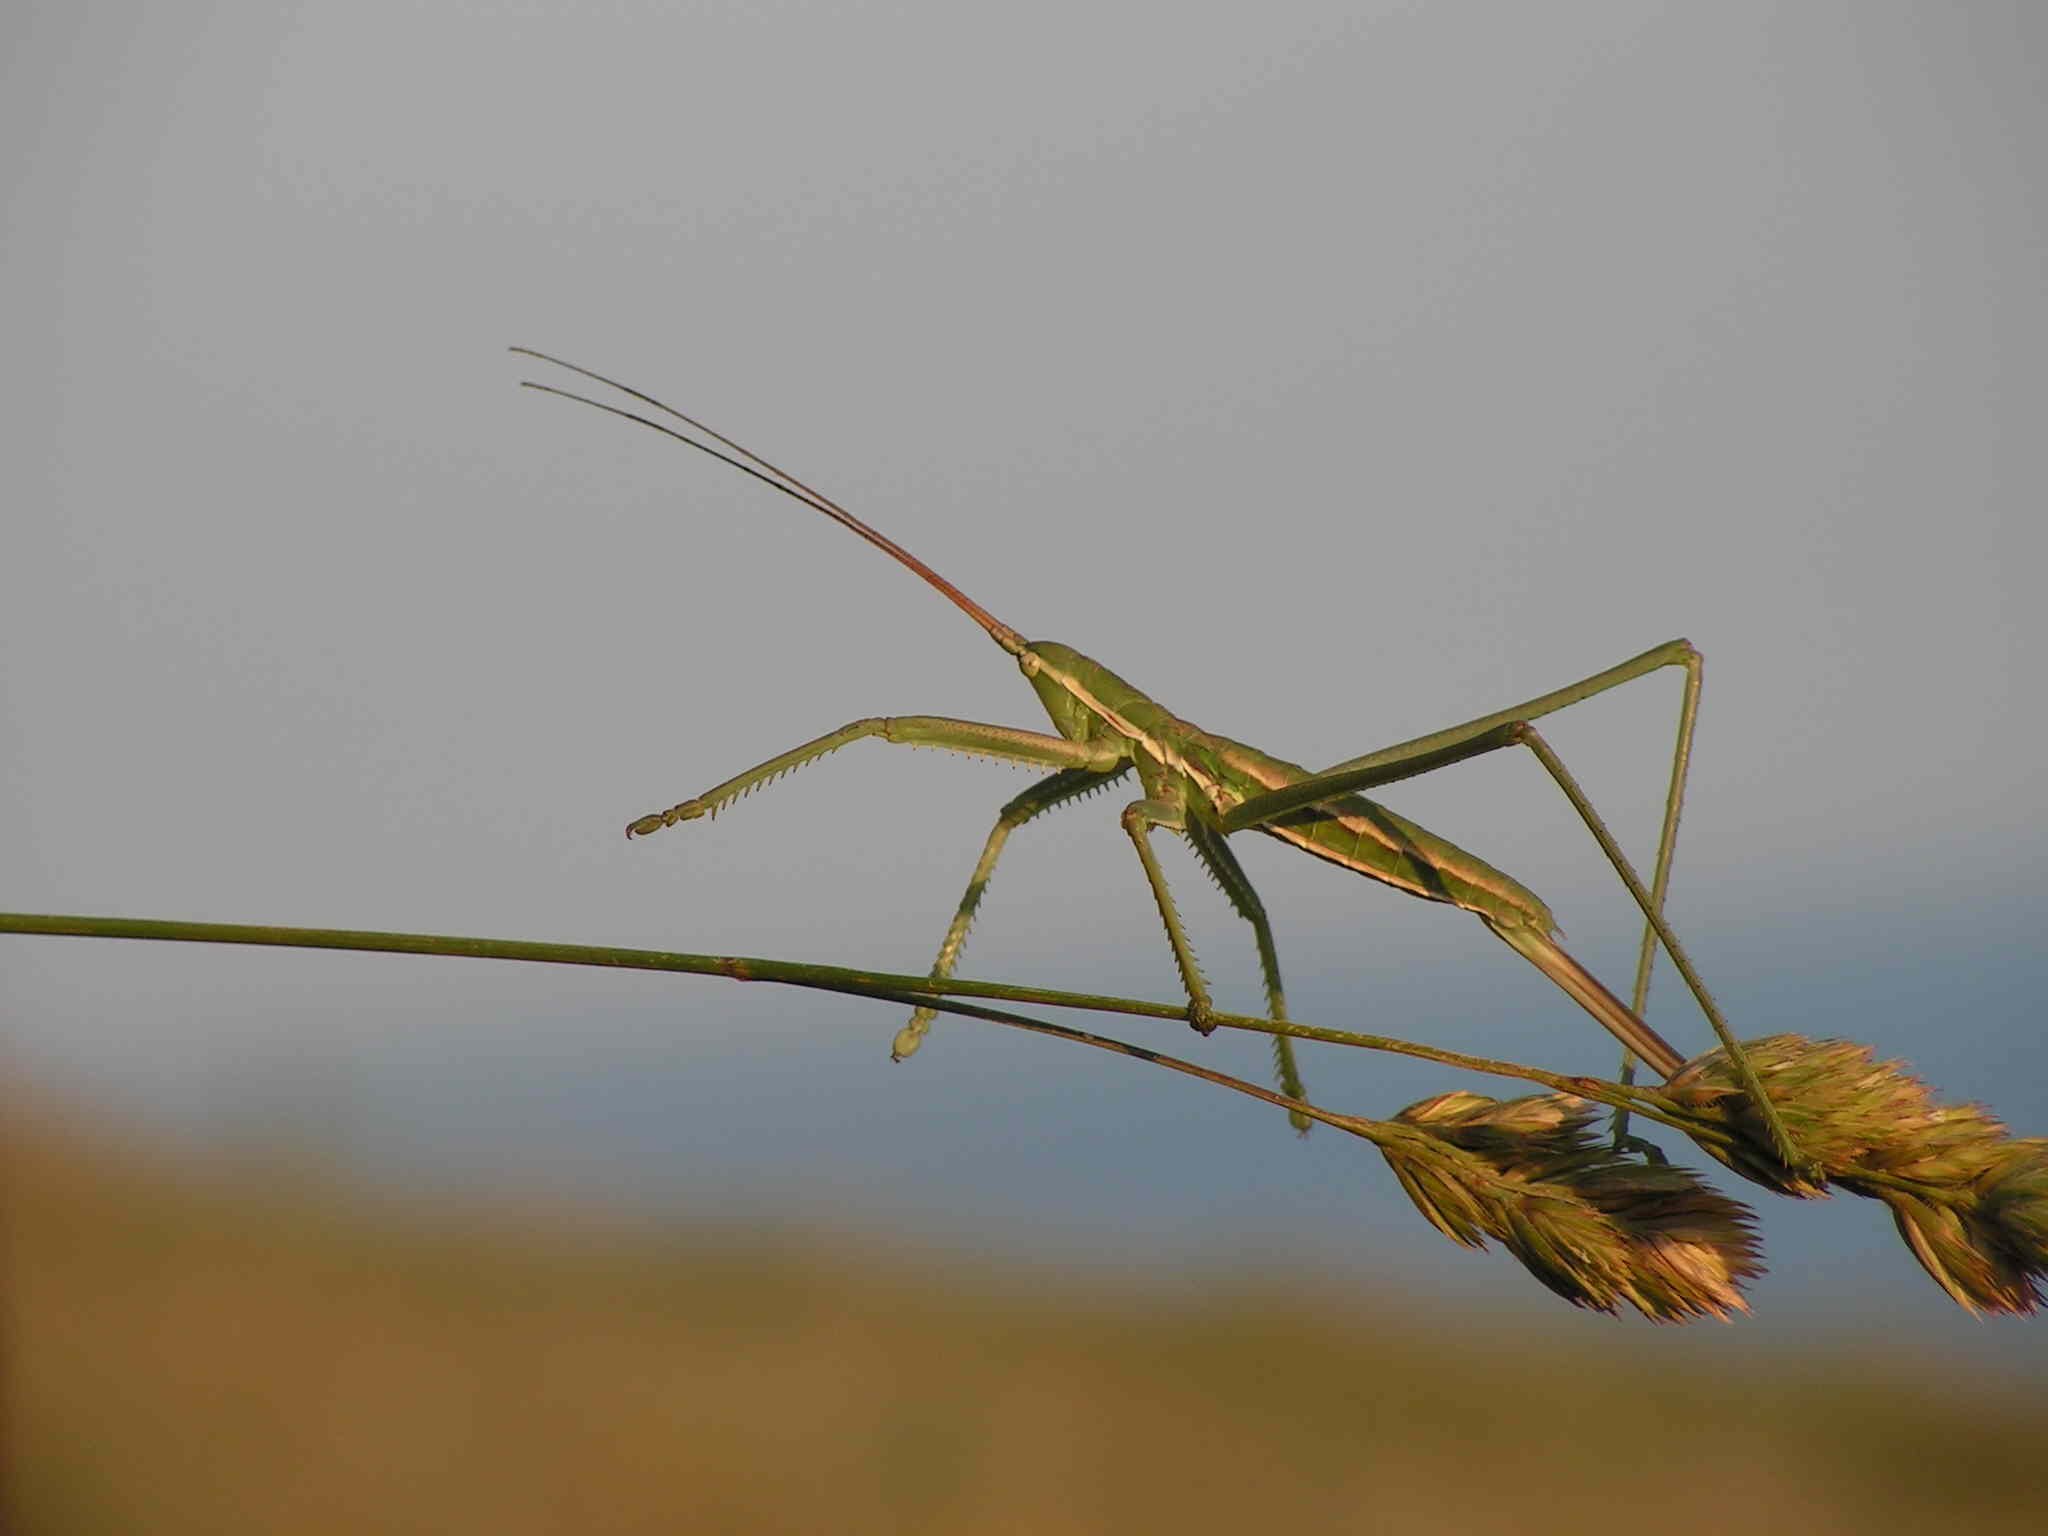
column 1206, row 787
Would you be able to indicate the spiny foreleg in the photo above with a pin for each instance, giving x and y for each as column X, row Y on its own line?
column 1139, row 818
column 1066, row 785
column 1003, row 742
column 1236, row 886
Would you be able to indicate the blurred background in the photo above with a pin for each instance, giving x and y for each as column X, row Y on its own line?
column 1333, row 372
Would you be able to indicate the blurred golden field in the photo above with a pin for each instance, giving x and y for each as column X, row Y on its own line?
column 214, row 1347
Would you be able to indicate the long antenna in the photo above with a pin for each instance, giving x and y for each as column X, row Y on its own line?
column 748, row 462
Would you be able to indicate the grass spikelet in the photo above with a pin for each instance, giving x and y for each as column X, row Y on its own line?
column 1691, row 1247
column 1983, row 1239
column 2016, row 1200
column 1597, row 1228
column 1970, row 1201
column 1837, row 1103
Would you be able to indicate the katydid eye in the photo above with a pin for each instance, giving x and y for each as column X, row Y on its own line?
column 1028, row 663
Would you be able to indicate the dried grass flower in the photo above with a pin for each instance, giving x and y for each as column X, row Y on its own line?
column 1970, row 1201
column 1597, row 1228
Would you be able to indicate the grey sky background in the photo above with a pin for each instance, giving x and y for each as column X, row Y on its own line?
column 1332, row 372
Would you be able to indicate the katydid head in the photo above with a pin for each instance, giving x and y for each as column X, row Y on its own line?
column 1066, row 683
column 751, row 463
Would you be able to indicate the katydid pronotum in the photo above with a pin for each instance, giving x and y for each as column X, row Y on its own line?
column 1206, row 787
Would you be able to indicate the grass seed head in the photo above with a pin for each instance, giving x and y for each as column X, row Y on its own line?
column 1984, row 1242
column 1594, row 1227
column 1836, row 1102
column 1969, row 1200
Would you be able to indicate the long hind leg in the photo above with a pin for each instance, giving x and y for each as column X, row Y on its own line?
column 1513, row 727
